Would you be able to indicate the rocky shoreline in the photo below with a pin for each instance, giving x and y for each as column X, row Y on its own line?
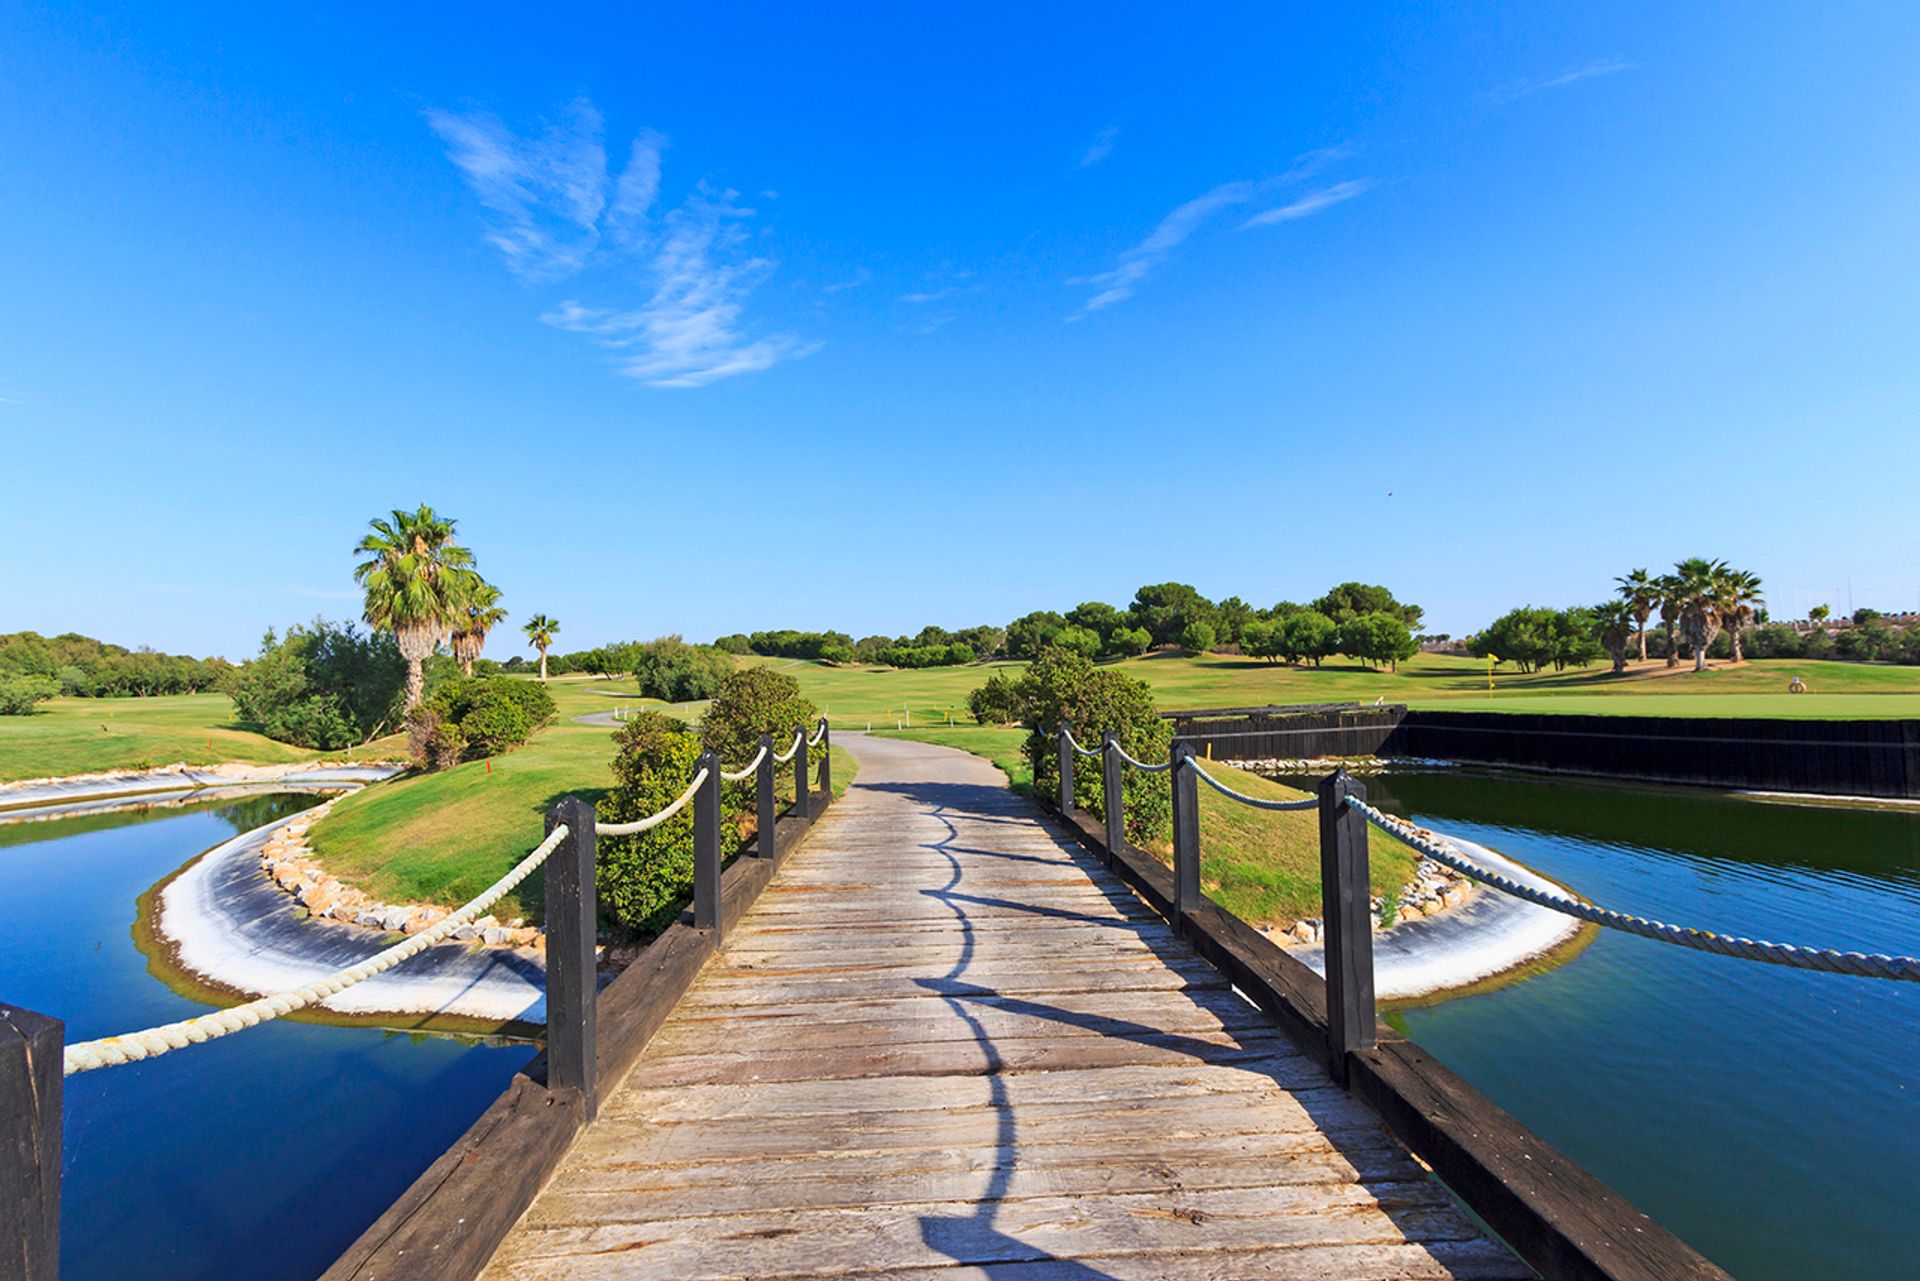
column 1434, row 889
column 290, row 865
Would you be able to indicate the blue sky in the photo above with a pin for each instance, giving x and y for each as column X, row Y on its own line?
column 702, row 320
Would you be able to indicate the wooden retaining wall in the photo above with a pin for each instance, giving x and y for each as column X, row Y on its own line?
column 1879, row 758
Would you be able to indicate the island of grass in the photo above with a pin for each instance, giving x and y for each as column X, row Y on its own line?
column 1261, row 865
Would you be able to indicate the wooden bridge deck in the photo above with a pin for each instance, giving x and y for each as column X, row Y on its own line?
column 945, row 1044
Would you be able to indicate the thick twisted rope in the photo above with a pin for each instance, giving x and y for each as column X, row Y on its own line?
column 1078, row 750
column 745, row 771
column 781, row 758
column 1161, row 768
column 111, row 1051
column 1304, row 803
column 652, row 820
column 818, row 734
column 1874, row 965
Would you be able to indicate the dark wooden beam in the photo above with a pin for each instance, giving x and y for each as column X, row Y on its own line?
column 30, row 1091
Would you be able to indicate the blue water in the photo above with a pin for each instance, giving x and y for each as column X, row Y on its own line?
column 260, row 1156
column 1770, row 1117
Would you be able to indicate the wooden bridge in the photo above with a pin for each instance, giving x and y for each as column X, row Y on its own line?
column 934, row 1033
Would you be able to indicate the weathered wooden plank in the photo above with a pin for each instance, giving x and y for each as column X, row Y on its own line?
column 30, row 1093
column 781, row 1241
column 1427, row 1261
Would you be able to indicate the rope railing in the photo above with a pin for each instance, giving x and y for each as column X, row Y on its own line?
column 1827, row 960
column 745, row 771
column 1075, row 744
column 1304, row 803
column 654, row 820
column 1121, row 752
column 818, row 734
column 799, row 737
column 111, row 1051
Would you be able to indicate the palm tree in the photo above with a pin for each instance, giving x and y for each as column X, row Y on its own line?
column 417, row 581
column 1640, row 591
column 1739, row 602
column 483, row 615
column 540, row 632
column 1701, row 584
column 1614, row 622
column 1671, row 596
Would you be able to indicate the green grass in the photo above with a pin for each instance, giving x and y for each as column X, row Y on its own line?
column 95, row 735
column 1261, row 865
column 858, row 695
column 444, row 837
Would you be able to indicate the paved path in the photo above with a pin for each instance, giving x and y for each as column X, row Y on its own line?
column 945, row 1045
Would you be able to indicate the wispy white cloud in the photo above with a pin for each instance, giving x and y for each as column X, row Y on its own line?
column 854, row 281
column 1573, row 75
column 688, row 333
column 546, row 192
column 1101, row 147
column 1141, row 261
column 1309, row 204
column 553, row 203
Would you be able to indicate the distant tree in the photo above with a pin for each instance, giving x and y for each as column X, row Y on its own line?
column 540, row 632
column 1616, row 622
column 1231, row 617
column 1523, row 637
column 1081, row 640
column 483, row 615
column 1308, row 635
column 417, row 582
column 1263, row 638
column 1377, row 638
column 1128, row 642
column 22, row 695
column 997, row 702
column 867, row 648
column 985, row 640
column 1640, row 592
column 323, row 685
column 1097, row 617
column 1197, row 636
column 1737, row 598
column 1820, row 613
column 1352, row 600
column 1165, row 609
column 1031, row 633
column 1673, row 593
column 734, row 643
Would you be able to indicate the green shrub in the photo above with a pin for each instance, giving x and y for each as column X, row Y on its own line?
column 1062, row 685
column 644, row 880
column 997, row 702
column 323, row 685
column 736, row 643
column 19, row 695
column 471, row 718
column 676, row 672
column 1129, row 642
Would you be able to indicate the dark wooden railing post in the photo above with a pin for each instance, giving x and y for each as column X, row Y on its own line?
column 802, row 805
column 1113, row 792
column 1346, row 911
column 30, row 1087
column 1065, row 743
column 572, row 915
column 826, row 760
column 706, row 847
column 766, row 843
column 1186, row 834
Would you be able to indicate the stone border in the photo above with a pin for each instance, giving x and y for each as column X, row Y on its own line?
column 288, row 862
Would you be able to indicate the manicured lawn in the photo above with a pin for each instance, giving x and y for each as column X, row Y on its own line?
column 94, row 735
column 856, row 696
column 1262, row 866
column 442, row 838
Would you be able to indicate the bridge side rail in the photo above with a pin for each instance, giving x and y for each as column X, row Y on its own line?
column 1560, row 1219
column 446, row 1226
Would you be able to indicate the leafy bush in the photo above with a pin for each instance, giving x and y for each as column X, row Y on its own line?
column 1381, row 638
column 787, row 643
column 736, row 643
column 1533, row 637
column 1081, row 640
column 1197, row 636
column 1031, row 633
column 470, row 718
column 1129, row 642
column 676, row 672
column 1062, row 685
column 644, row 880
column 997, row 702
column 324, row 685
column 19, row 695
column 754, row 701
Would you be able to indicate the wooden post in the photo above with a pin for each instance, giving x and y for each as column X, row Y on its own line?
column 1346, row 912
column 1186, row 834
column 1113, row 790
column 706, row 847
column 766, row 844
column 30, row 1087
column 826, row 760
column 1065, row 742
column 801, row 804
column 572, row 914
